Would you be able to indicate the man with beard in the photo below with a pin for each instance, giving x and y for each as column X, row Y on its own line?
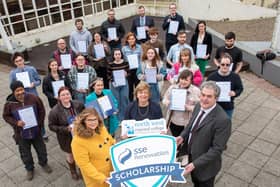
column 26, row 135
column 234, row 52
column 112, row 28
column 80, row 38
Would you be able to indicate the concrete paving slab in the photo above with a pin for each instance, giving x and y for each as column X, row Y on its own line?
column 230, row 181
column 262, row 146
column 11, row 163
column 272, row 167
column 253, row 158
column 270, row 135
column 5, row 181
column 241, row 138
column 264, row 179
column 234, row 150
column 276, row 154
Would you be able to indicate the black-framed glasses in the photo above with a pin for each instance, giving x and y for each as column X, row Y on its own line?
column 225, row 65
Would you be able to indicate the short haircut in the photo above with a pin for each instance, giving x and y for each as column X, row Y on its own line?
column 110, row 10
column 142, row 86
column 211, row 85
column 153, row 31
column 230, row 35
column 181, row 32
column 227, row 56
column 185, row 74
column 15, row 55
column 172, row 4
column 79, row 20
column 141, row 6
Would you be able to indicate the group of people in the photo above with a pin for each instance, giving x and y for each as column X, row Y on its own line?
column 97, row 66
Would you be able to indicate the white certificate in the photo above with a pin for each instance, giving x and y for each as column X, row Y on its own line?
column 112, row 33
column 173, row 27
column 66, row 61
column 24, row 78
column 157, row 50
column 119, row 77
column 82, row 45
column 178, row 99
column 225, row 89
column 105, row 104
column 56, row 85
column 82, row 80
column 201, row 50
column 151, row 75
column 141, row 33
column 133, row 61
column 28, row 116
column 99, row 51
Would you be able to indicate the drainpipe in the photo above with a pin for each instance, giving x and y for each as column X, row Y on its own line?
column 275, row 42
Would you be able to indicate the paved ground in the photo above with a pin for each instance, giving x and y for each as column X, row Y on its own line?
column 252, row 158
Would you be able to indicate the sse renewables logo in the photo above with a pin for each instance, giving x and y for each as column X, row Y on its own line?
column 145, row 161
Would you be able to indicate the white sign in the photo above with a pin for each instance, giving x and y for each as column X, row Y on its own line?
column 141, row 33
column 173, row 27
column 56, row 86
column 82, row 80
column 112, row 33
column 99, row 51
column 82, row 45
column 24, row 78
column 225, row 89
column 201, row 50
column 145, row 161
column 144, row 127
column 133, row 61
column 178, row 99
column 151, row 75
column 119, row 78
column 27, row 115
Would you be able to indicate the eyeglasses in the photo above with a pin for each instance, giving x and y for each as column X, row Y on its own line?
column 225, row 65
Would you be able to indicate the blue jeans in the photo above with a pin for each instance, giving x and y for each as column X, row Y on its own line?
column 80, row 96
column 229, row 113
column 121, row 94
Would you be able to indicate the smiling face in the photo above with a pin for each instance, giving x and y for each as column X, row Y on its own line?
column 98, row 87
column 185, row 83
column 61, row 44
column 207, row 98
column 79, row 26
column 91, row 122
column 143, row 96
column 19, row 94
column 97, row 37
column 225, row 65
column 172, row 9
column 65, row 96
column 117, row 55
column 131, row 40
column 80, row 60
column 53, row 66
column 182, row 38
column 151, row 54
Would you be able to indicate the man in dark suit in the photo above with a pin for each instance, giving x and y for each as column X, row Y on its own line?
column 206, row 137
column 144, row 22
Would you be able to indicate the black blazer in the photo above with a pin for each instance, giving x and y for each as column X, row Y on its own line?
column 136, row 23
column 207, row 40
column 208, row 142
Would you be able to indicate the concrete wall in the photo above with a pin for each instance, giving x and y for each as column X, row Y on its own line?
column 59, row 30
column 222, row 9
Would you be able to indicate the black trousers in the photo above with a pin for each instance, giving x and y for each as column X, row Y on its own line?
column 102, row 72
column 176, row 129
column 26, row 155
column 132, row 83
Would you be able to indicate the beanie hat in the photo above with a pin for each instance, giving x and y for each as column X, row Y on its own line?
column 16, row 84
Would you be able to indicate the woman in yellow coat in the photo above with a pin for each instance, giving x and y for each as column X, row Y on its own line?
column 90, row 146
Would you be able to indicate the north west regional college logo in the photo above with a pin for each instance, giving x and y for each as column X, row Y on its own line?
column 145, row 161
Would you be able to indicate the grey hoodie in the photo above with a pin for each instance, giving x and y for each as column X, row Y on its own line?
column 77, row 36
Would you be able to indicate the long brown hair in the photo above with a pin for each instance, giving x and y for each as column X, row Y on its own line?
column 129, row 34
column 80, row 126
column 156, row 58
column 185, row 52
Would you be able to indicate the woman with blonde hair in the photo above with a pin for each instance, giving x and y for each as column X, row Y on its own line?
column 91, row 148
column 185, row 62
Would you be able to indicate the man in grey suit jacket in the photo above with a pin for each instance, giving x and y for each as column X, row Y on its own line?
column 206, row 137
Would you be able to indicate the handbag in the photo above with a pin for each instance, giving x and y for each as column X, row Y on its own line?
column 264, row 56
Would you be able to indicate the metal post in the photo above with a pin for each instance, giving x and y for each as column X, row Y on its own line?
column 275, row 42
column 5, row 37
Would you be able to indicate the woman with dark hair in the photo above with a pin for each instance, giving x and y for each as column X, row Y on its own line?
column 177, row 120
column 151, row 62
column 143, row 107
column 61, row 119
column 120, row 91
column 201, row 37
column 132, row 52
column 98, row 54
column 91, row 148
column 97, row 91
column 51, row 83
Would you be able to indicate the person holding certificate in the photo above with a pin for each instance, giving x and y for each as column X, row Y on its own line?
column 201, row 43
column 64, row 57
column 185, row 62
column 143, row 107
column 155, row 42
column 61, row 118
column 132, row 53
column 172, row 24
column 91, row 148
column 152, row 71
column 80, row 38
column 97, row 91
column 98, row 51
column 25, row 112
column 53, row 81
column 112, row 30
column 118, row 71
column 231, row 90
column 183, row 95
column 28, row 75
column 141, row 25
column 80, row 77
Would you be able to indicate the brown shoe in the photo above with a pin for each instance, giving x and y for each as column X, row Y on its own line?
column 46, row 168
column 29, row 175
column 74, row 174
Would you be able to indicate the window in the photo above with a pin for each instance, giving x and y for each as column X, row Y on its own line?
column 41, row 3
column 27, row 5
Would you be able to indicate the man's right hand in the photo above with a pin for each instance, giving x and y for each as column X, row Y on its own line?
column 20, row 123
column 179, row 140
